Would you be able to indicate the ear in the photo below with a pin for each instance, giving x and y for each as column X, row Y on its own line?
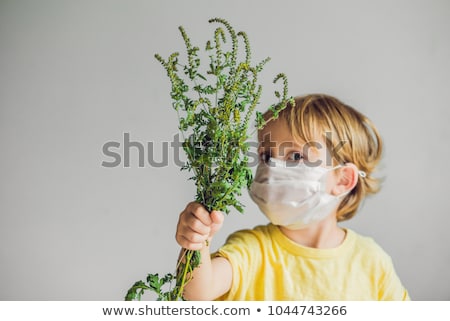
column 346, row 180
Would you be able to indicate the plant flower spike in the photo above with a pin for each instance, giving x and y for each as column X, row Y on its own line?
column 215, row 103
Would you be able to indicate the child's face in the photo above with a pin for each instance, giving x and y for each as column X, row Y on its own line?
column 276, row 141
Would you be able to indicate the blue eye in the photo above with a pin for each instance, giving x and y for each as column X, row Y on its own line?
column 296, row 156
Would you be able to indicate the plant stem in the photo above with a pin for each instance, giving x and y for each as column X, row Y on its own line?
column 186, row 266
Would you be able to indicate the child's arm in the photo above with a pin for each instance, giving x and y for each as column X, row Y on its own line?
column 196, row 227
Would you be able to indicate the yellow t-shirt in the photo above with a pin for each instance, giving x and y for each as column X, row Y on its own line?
column 269, row 266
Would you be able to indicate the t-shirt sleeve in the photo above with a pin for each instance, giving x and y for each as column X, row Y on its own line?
column 378, row 265
column 243, row 250
column 391, row 288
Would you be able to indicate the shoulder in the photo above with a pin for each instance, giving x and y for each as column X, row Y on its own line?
column 369, row 250
column 380, row 266
column 247, row 241
column 260, row 233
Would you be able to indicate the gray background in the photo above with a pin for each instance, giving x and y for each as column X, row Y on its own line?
column 77, row 74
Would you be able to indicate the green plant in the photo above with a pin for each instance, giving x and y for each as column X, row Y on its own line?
column 215, row 104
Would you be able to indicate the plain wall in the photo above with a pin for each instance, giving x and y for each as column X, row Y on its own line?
column 77, row 74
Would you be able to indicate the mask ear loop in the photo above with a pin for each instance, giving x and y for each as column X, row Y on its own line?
column 361, row 173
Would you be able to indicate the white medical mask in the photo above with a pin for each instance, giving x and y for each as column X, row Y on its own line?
column 293, row 195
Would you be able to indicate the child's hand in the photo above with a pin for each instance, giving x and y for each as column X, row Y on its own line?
column 196, row 226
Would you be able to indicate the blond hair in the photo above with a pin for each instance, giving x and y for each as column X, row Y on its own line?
column 350, row 138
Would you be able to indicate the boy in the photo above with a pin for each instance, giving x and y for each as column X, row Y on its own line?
column 316, row 164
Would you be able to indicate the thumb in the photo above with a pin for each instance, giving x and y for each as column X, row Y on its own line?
column 217, row 218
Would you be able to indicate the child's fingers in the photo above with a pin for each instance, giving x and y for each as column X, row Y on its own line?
column 186, row 244
column 187, row 237
column 190, row 239
column 196, row 226
column 217, row 221
column 191, row 231
column 192, row 226
column 216, row 217
column 200, row 212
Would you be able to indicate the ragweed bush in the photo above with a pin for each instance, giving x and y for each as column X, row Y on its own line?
column 215, row 104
